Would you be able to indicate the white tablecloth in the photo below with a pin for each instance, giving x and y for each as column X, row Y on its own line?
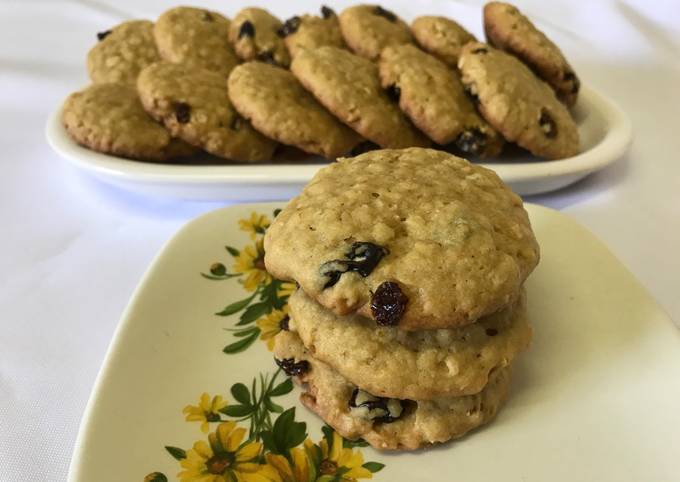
column 73, row 249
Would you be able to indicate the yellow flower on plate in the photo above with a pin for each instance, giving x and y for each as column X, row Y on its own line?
column 280, row 469
column 270, row 325
column 250, row 262
column 206, row 411
column 257, row 224
column 223, row 459
column 286, row 288
column 337, row 457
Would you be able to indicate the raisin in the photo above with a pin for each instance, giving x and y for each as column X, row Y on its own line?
column 291, row 367
column 290, row 26
column 207, row 16
column 284, row 323
column 327, row 12
column 388, row 304
column 381, row 12
column 182, row 112
column 393, row 92
column 247, row 29
column 362, row 258
column 236, row 123
column 491, row 332
column 377, row 403
column 547, row 124
column 571, row 77
column 480, row 50
column 472, row 141
column 267, row 57
column 102, row 35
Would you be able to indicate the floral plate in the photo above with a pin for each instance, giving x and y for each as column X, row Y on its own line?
column 189, row 390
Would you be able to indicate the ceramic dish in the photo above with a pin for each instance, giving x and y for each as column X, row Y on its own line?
column 594, row 399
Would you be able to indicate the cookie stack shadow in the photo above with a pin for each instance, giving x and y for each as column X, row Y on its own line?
column 411, row 307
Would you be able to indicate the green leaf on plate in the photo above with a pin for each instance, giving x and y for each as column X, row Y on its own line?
column 282, row 388
column 232, row 251
column 373, row 466
column 271, row 406
column 240, row 392
column 237, row 410
column 349, row 444
column 254, row 311
column 236, row 306
column 176, row 452
column 245, row 332
column 241, row 345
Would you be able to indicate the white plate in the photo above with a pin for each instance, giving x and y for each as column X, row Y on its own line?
column 594, row 399
column 604, row 129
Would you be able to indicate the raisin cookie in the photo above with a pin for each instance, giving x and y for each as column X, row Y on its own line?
column 277, row 105
column 109, row 118
column 257, row 35
column 122, row 53
column 195, row 37
column 194, row 105
column 312, row 32
column 349, row 87
column 516, row 103
column 387, row 424
column 414, row 238
column 368, row 29
column 441, row 37
column 433, row 97
column 507, row 29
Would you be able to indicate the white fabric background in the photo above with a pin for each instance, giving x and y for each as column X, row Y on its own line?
column 72, row 249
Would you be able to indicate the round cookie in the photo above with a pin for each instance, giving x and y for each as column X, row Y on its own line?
column 368, row 29
column 277, row 105
column 507, row 29
column 441, row 37
column 420, row 365
column 401, row 424
column 416, row 238
column 349, row 87
column 433, row 97
column 256, row 35
column 195, row 37
column 122, row 53
column 194, row 105
column 109, row 118
column 516, row 103
column 311, row 32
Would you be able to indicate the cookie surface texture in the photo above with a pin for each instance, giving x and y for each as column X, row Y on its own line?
column 256, row 35
column 349, row 87
column 309, row 32
column 368, row 29
column 414, row 238
column 276, row 104
column 122, row 53
column 194, row 105
column 522, row 107
column 195, row 37
column 441, row 37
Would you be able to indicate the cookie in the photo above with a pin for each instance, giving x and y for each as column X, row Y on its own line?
column 441, row 37
column 277, row 105
column 507, row 29
column 414, row 238
column 387, row 424
column 433, row 97
column 194, row 105
column 420, row 365
column 516, row 103
column 195, row 37
column 311, row 32
column 368, row 29
column 122, row 53
column 109, row 118
column 256, row 35
column 349, row 87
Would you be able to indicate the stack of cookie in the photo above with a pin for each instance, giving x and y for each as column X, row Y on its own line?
column 327, row 85
column 410, row 308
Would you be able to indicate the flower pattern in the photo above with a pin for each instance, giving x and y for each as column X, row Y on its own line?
column 271, row 324
column 250, row 262
column 256, row 224
column 206, row 411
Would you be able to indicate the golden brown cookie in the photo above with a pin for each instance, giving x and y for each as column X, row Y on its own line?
column 368, row 29
column 311, row 32
column 256, row 35
column 441, row 37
